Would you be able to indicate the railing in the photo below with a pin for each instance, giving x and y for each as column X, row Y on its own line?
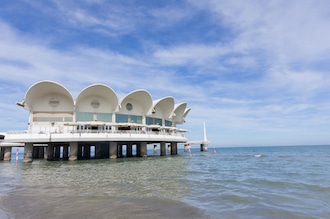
column 140, row 132
column 17, row 132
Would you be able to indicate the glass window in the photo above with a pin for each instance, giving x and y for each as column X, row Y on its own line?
column 104, row 117
column 136, row 119
column 168, row 123
column 84, row 116
column 129, row 106
column 121, row 118
column 158, row 121
column 153, row 121
column 149, row 120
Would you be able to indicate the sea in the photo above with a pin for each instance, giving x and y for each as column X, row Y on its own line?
column 237, row 182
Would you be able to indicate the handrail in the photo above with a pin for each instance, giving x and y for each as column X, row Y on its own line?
column 139, row 132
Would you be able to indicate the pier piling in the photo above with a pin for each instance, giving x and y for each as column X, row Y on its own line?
column 28, row 153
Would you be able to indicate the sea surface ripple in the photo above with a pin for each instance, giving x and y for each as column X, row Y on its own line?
column 246, row 182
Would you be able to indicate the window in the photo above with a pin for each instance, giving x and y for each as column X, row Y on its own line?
column 54, row 102
column 95, row 104
column 121, row 118
column 153, row 121
column 136, row 119
column 168, row 123
column 84, row 116
column 104, row 117
column 129, row 106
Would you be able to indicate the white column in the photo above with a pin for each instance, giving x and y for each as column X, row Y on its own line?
column 73, row 151
column 162, row 148
column 174, row 148
column 143, row 149
column 50, row 152
column 28, row 151
column 113, row 150
column 7, row 154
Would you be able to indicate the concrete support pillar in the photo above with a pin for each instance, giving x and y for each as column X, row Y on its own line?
column 98, row 151
column 120, row 150
column 203, row 147
column 105, row 150
column 138, row 149
column 2, row 151
column 28, row 152
column 41, row 152
column 73, row 151
column 50, row 152
column 35, row 153
column 87, row 152
column 162, row 149
column 113, row 150
column 7, row 153
column 155, row 149
column 143, row 149
column 129, row 150
column 65, row 152
column 57, row 153
column 174, row 148
column 79, row 154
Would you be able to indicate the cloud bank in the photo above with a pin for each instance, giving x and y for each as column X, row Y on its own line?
column 256, row 72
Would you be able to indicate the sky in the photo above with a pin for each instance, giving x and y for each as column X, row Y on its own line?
column 256, row 72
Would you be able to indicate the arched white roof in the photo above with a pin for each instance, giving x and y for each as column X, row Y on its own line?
column 48, row 96
column 162, row 108
column 97, row 98
column 137, row 102
column 178, row 112
column 186, row 113
column 45, row 98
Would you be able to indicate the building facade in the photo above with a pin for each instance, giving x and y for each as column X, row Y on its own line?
column 96, row 118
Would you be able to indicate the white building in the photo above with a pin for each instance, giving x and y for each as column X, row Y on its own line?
column 96, row 118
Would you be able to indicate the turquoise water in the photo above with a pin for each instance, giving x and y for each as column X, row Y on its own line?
column 251, row 182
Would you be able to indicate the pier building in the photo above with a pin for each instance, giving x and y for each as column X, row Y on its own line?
column 60, row 126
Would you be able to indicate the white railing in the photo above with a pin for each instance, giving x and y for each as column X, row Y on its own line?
column 17, row 132
column 140, row 132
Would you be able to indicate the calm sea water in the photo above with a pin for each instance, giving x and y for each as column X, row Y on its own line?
column 253, row 182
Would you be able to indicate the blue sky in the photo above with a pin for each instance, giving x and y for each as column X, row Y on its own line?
column 257, row 72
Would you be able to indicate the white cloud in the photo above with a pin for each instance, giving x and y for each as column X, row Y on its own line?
column 188, row 54
column 303, row 83
column 263, row 80
column 289, row 30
